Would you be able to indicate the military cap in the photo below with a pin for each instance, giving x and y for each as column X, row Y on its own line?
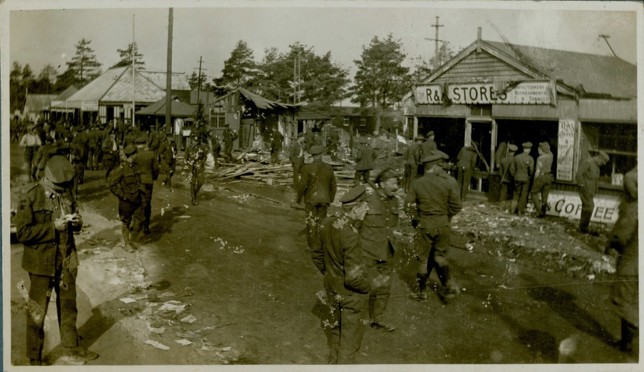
column 385, row 174
column 59, row 170
column 604, row 156
column 419, row 137
column 526, row 145
column 353, row 195
column 316, row 150
column 434, row 156
column 129, row 150
column 363, row 140
column 545, row 147
column 140, row 140
column 512, row 148
column 430, row 133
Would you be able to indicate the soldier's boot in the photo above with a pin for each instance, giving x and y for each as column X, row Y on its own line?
column 629, row 333
column 421, row 285
column 536, row 200
column 127, row 241
column 450, row 288
column 193, row 196
column 544, row 209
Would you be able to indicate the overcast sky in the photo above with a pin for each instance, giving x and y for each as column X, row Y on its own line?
column 42, row 36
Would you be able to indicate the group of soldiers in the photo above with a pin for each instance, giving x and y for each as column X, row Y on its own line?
column 353, row 249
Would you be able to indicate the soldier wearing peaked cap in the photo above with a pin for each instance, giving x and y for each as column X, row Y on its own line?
column 364, row 161
column 147, row 164
column 340, row 259
column 317, row 187
column 587, row 178
column 46, row 220
column 125, row 183
column 542, row 180
column 432, row 201
column 412, row 161
column 521, row 169
column 507, row 182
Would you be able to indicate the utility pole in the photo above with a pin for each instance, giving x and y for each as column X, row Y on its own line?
column 605, row 37
column 133, row 77
column 296, row 78
column 168, row 80
column 199, row 79
column 436, row 41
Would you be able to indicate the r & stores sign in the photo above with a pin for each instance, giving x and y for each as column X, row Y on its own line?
column 524, row 93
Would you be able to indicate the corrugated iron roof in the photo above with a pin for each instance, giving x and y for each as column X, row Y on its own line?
column 96, row 88
column 143, row 90
column 179, row 79
column 597, row 74
column 263, row 103
column 178, row 109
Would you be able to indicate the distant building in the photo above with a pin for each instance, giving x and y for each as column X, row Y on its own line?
column 37, row 106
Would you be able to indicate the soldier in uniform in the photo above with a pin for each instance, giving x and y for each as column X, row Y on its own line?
column 31, row 142
column 147, row 165
column 167, row 159
column 466, row 161
column 110, row 148
column 521, row 169
column 364, row 161
column 276, row 145
column 93, row 142
column 296, row 156
column 587, row 176
column 46, row 220
column 340, row 259
column 624, row 241
column 412, row 161
column 507, row 181
column 196, row 156
column 79, row 157
column 376, row 234
column 542, row 180
column 432, row 201
column 429, row 145
column 125, row 183
column 317, row 186
column 229, row 137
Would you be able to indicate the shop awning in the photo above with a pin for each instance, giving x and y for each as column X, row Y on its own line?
column 177, row 109
column 608, row 111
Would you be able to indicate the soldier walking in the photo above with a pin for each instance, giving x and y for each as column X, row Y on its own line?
column 296, row 156
column 30, row 142
column 125, row 183
column 276, row 145
column 229, row 137
column 521, row 169
column 46, row 220
column 587, row 177
column 376, row 234
column 466, row 161
column 507, row 181
column 542, row 180
column 340, row 259
column 147, row 165
column 167, row 159
column 196, row 156
column 432, row 201
column 317, row 186
column 364, row 161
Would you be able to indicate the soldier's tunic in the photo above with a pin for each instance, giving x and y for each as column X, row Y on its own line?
column 148, row 167
column 521, row 170
column 229, row 137
column 51, row 260
column 412, row 161
column 110, row 154
column 465, row 161
column 276, row 146
column 364, row 163
column 196, row 157
column 296, row 156
column 506, row 177
column 542, row 183
column 317, row 187
column 340, row 259
column 125, row 182
column 587, row 178
column 432, row 201
column 167, row 159
column 376, row 234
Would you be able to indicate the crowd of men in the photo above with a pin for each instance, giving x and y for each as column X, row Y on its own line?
column 353, row 249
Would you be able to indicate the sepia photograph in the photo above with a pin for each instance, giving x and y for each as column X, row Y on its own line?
column 320, row 185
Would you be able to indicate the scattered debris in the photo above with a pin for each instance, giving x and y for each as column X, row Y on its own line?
column 189, row 319
column 183, row 342
column 127, row 300
column 173, row 305
column 157, row 344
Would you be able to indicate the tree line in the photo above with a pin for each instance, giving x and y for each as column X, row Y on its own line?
column 298, row 75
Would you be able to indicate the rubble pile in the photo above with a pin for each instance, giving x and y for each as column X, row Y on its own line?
column 553, row 242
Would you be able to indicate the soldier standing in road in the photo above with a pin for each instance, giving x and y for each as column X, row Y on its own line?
column 340, row 259
column 432, row 201
column 521, row 169
column 125, row 183
column 587, row 177
column 31, row 143
column 412, row 161
column 46, row 220
column 196, row 156
column 429, row 145
column 542, row 180
column 147, row 165
column 167, row 159
column 229, row 137
column 466, row 161
column 110, row 148
column 276, row 145
column 317, row 186
column 364, row 161
column 296, row 156
column 376, row 234
column 507, row 181
column 624, row 240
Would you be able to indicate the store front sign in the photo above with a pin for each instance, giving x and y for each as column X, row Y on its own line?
column 524, row 93
column 567, row 204
column 565, row 149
